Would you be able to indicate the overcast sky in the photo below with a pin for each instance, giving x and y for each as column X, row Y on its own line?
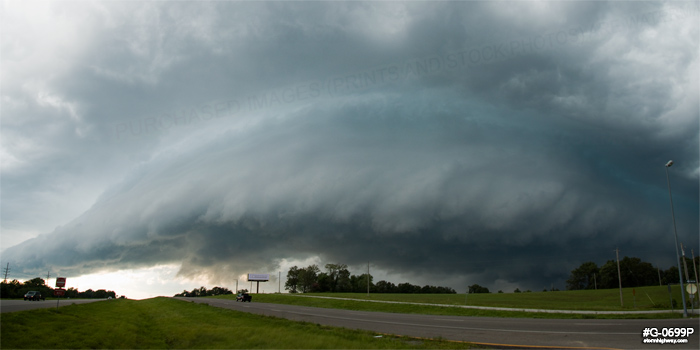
column 445, row 143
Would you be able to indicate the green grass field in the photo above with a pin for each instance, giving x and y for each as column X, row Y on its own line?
column 163, row 323
column 644, row 299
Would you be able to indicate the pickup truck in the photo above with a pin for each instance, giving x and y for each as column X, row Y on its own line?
column 244, row 297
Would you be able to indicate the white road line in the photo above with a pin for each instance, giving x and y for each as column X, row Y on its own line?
column 448, row 319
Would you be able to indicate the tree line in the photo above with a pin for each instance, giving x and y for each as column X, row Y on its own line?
column 203, row 292
column 17, row 289
column 338, row 279
column 633, row 273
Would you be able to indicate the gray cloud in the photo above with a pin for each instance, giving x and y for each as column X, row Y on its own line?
column 514, row 167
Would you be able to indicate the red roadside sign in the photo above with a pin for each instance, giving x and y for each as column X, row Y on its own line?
column 60, row 282
column 59, row 292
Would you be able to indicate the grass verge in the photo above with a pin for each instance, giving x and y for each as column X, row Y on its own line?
column 163, row 323
column 634, row 299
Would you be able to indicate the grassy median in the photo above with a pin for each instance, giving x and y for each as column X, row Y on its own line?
column 164, row 323
column 635, row 299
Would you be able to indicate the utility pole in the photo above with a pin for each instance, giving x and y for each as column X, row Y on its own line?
column 619, row 276
column 368, row 278
column 7, row 270
column 595, row 282
column 48, row 275
column 696, row 277
column 685, row 264
column 694, row 268
column 675, row 236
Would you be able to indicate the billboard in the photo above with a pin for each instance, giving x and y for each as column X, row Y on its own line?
column 258, row 277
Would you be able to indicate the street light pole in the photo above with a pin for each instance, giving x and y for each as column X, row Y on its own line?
column 675, row 232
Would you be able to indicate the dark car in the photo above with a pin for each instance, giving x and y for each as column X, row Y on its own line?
column 34, row 295
column 244, row 297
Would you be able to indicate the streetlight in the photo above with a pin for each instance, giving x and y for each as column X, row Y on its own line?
column 675, row 232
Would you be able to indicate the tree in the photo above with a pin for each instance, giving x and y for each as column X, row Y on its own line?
column 475, row 288
column 292, row 279
column 359, row 283
column 35, row 282
column 323, row 283
column 220, row 291
column 385, row 287
column 608, row 275
column 17, row 289
column 670, row 276
column 10, row 289
column 197, row 292
column 446, row 290
column 407, row 288
column 633, row 273
column 71, row 293
column 339, row 277
column 307, row 278
column 583, row 277
column 637, row 273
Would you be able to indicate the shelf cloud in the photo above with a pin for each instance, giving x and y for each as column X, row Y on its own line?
column 448, row 142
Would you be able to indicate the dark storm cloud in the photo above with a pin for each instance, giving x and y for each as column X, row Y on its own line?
column 498, row 142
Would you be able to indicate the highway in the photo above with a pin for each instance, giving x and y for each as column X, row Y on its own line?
column 13, row 305
column 499, row 332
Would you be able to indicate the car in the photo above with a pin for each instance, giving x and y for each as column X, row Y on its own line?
column 244, row 297
column 33, row 295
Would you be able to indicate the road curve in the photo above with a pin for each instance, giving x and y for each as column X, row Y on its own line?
column 13, row 305
column 500, row 332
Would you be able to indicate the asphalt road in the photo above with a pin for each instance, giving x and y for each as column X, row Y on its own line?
column 501, row 332
column 21, row 305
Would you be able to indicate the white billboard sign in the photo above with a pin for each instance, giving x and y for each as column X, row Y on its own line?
column 258, row 277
